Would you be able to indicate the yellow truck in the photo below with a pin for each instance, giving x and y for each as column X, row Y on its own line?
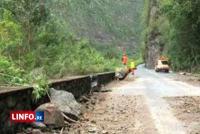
column 162, row 65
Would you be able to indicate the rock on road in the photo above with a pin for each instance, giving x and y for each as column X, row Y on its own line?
column 138, row 106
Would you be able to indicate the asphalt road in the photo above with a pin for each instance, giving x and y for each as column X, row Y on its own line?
column 154, row 86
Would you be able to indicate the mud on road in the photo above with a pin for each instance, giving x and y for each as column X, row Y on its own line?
column 187, row 109
column 148, row 103
column 115, row 114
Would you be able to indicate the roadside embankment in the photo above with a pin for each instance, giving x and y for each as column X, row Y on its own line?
column 21, row 98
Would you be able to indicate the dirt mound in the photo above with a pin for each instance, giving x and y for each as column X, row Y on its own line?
column 187, row 109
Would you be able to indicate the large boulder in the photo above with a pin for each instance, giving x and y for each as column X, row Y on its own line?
column 66, row 103
column 52, row 115
column 121, row 73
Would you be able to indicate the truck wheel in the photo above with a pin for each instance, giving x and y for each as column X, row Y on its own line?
column 157, row 70
column 166, row 71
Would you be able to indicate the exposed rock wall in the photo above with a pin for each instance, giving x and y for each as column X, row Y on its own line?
column 153, row 49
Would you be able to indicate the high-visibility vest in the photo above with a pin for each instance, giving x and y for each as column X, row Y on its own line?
column 132, row 65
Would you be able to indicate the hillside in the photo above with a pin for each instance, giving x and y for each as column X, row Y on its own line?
column 172, row 29
column 42, row 40
column 106, row 22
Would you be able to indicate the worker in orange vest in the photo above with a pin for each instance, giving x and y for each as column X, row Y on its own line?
column 124, row 59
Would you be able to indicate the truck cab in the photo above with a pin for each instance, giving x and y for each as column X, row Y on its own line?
column 162, row 65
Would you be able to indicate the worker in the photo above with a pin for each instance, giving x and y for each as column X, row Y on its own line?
column 132, row 67
column 124, row 59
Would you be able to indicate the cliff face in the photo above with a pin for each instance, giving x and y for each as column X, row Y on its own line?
column 152, row 49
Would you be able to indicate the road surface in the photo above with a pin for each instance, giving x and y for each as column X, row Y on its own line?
column 138, row 105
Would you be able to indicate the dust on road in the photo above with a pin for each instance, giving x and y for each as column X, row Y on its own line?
column 187, row 109
column 117, row 114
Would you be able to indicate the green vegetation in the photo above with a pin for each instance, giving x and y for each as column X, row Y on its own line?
column 178, row 23
column 51, row 39
column 41, row 40
column 184, row 34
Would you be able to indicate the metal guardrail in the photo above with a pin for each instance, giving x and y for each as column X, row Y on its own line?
column 93, row 77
